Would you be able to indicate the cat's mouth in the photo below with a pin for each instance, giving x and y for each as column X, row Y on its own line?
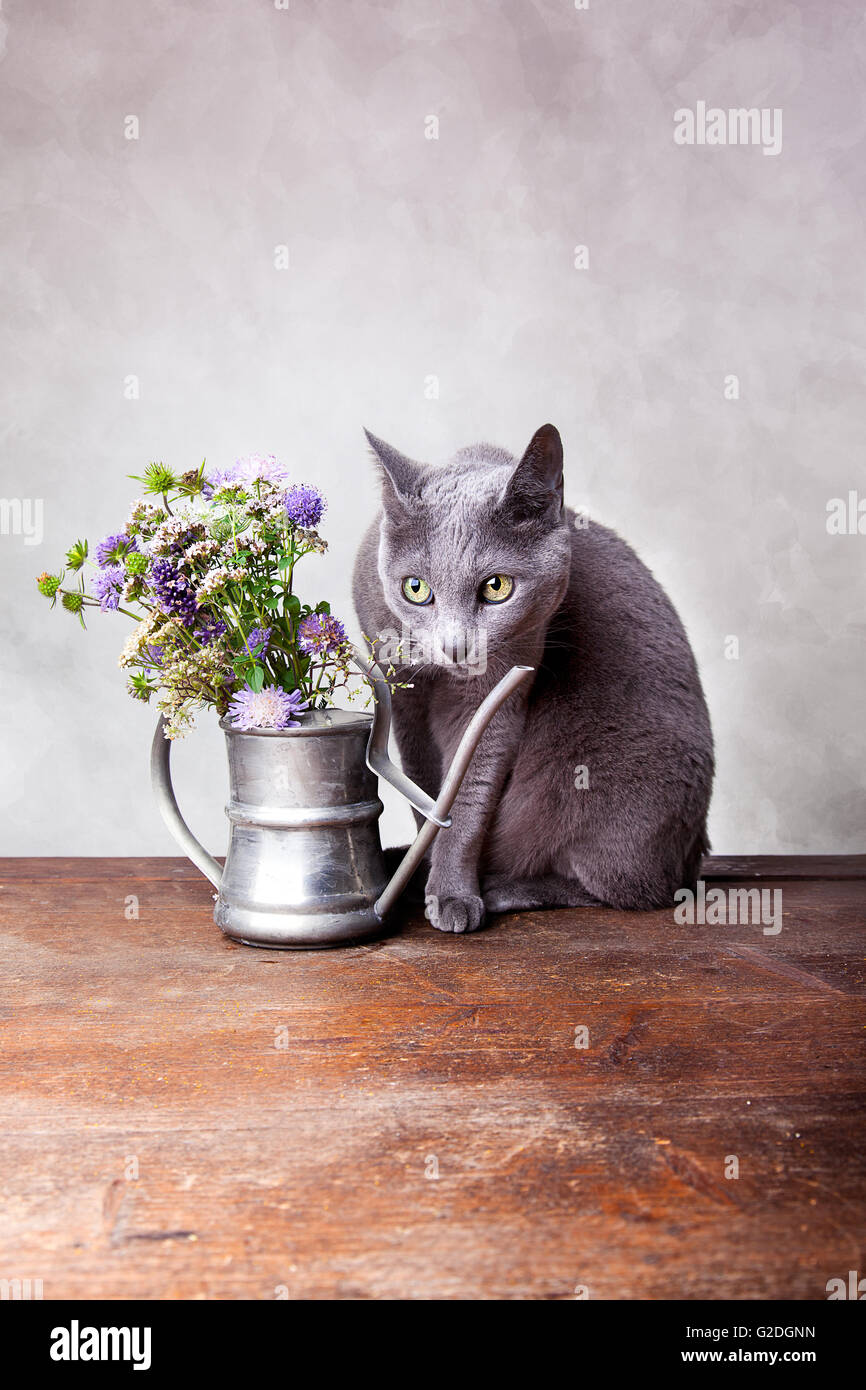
column 460, row 670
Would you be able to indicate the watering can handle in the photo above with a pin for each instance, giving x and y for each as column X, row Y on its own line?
column 435, row 812
column 163, row 791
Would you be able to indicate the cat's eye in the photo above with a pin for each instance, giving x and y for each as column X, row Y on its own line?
column 417, row 590
column 497, row 588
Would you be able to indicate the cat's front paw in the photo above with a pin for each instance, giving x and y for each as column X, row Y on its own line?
column 454, row 914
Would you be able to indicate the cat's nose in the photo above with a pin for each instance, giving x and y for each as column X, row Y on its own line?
column 454, row 645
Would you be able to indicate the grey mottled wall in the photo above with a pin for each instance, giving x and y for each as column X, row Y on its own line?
column 413, row 258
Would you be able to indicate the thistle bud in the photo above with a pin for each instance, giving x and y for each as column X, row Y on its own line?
column 135, row 562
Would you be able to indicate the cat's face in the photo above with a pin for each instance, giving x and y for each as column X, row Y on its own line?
column 473, row 556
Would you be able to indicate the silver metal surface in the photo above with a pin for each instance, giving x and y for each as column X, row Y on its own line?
column 304, row 866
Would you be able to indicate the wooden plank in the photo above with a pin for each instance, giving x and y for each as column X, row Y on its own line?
column 411, row 1118
column 94, row 870
column 745, row 867
column 815, row 866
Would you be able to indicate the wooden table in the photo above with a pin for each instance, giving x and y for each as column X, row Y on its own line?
column 187, row 1118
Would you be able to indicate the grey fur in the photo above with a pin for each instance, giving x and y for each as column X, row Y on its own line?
column 616, row 691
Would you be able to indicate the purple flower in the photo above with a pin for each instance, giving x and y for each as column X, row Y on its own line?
column 112, row 550
column 246, row 473
column 259, row 637
column 320, row 635
column 173, row 592
column 209, row 630
column 108, row 586
column 152, row 658
column 304, row 505
column 268, row 708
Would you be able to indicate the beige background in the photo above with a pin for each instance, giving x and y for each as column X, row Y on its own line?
column 413, row 258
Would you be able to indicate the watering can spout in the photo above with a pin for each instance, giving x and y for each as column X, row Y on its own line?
column 435, row 812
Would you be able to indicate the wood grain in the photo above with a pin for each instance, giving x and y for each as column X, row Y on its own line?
column 186, row 1118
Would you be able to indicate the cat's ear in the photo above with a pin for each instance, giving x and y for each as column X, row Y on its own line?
column 535, row 487
column 401, row 476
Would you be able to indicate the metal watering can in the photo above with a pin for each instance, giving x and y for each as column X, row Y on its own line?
column 305, row 866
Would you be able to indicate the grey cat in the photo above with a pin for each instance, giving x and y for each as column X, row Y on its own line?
column 592, row 783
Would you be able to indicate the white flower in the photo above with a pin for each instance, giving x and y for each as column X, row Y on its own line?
column 201, row 550
column 132, row 647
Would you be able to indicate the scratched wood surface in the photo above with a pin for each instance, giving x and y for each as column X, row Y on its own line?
column 181, row 1117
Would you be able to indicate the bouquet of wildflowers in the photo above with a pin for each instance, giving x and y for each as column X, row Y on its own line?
column 205, row 566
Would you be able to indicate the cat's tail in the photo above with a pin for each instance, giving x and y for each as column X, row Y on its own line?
column 699, row 847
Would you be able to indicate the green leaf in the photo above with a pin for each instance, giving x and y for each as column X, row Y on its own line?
column 293, row 605
column 76, row 556
column 256, row 678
